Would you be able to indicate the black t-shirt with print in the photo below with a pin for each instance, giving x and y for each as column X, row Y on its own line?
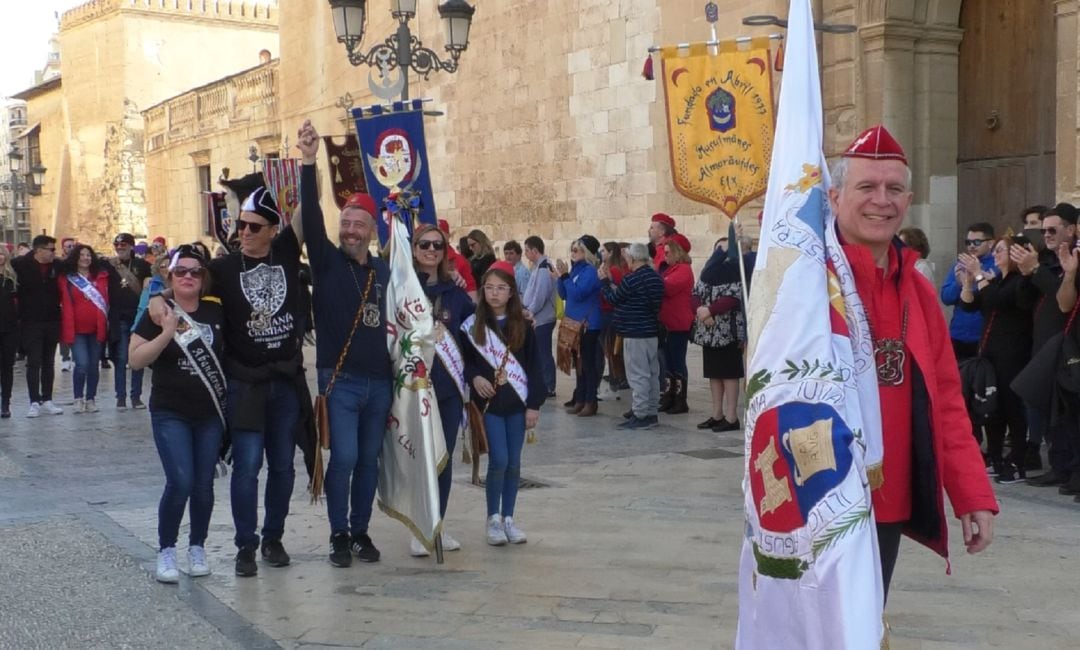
column 261, row 302
column 175, row 385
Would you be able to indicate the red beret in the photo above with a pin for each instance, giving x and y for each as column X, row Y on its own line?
column 444, row 226
column 876, row 143
column 680, row 240
column 159, row 240
column 663, row 218
column 362, row 201
column 502, row 265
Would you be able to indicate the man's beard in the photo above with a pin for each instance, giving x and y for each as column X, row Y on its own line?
column 354, row 250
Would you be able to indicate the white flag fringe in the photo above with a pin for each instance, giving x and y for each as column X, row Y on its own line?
column 809, row 575
column 414, row 450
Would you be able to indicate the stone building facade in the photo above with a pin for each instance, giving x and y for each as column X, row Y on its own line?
column 120, row 57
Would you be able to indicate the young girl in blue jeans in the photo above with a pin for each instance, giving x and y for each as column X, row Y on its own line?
column 502, row 365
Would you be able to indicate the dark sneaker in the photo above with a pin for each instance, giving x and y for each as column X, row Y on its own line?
column 710, row 423
column 627, row 423
column 339, row 550
column 647, row 422
column 121, row 404
column 724, row 425
column 1072, row 487
column 1009, row 474
column 364, row 548
column 1032, row 460
column 629, row 414
column 274, row 553
column 137, row 403
column 1049, row 479
column 245, row 562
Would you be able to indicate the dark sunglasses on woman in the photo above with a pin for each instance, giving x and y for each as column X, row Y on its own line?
column 427, row 244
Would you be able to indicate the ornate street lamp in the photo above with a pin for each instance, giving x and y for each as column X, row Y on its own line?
column 401, row 50
column 14, row 159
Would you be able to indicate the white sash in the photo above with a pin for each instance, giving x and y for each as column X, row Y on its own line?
column 201, row 358
column 494, row 351
column 90, row 291
column 449, row 353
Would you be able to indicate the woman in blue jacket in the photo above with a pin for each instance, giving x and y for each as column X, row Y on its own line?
column 451, row 305
column 579, row 286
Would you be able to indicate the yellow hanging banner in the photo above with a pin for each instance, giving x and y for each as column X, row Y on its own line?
column 720, row 122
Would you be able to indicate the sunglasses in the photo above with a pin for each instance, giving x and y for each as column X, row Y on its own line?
column 255, row 228
column 184, row 271
column 428, row 244
column 1050, row 230
column 975, row 242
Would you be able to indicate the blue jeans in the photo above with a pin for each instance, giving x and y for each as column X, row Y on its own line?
column 189, row 451
column 506, row 437
column 281, row 411
column 589, row 367
column 119, row 360
column 544, row 334
column 450, row 412
column 358, row 407
column 87, row 353
column 675, row 354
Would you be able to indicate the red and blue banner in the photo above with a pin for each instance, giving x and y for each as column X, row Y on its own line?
column 394, row 154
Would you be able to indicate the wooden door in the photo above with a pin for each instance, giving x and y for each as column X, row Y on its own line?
column 1006, row 111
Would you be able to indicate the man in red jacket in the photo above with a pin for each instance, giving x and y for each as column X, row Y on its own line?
column 928, row 445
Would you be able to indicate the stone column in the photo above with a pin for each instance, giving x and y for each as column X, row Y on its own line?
column 1067, row 183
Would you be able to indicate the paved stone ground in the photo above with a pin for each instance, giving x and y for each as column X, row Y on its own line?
column 633, row 544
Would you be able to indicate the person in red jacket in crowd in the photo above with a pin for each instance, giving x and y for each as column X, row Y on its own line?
column 84, row 312
column 929, row 450
column 677, row 316
column 461, row 265
column 661, row 228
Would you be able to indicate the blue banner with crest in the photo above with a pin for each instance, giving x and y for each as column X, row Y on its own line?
column 395, row 162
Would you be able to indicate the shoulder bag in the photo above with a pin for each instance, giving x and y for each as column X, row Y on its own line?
column 322, row 413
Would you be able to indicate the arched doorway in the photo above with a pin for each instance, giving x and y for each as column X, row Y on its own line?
column 1006, row 111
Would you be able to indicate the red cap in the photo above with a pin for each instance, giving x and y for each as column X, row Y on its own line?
column 159, row 240
column 876, row 143
column 444, row 226
column 362, row 201
column 663, row 218
column 680, row 240
column 503, row 266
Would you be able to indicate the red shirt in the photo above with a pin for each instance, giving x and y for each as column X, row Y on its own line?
column 78, row 315
column 616, row 278
column 880, row 293
column 463, row 267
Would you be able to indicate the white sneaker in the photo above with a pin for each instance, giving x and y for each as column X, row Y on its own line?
column 514, row 535
column 65, row 366
column 91, row 407
column 608, row 395
column 198, row 566
column 416, row 549
column 449, row 543
column 166, row 566
column 34, row 410
column 496, row 536
column 50, row 408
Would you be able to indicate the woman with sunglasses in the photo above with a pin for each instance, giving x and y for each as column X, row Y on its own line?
column 84, row 313
column 186, row 405
column 451, row 306
column 579, row 285
column 502, row 364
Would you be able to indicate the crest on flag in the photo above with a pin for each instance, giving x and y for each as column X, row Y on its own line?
column 218, row 222
column 414, row 449
column 283, row 181
column 720, row 121
column 810, row 575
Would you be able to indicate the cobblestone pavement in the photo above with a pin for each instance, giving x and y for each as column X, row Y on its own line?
column 633, row 543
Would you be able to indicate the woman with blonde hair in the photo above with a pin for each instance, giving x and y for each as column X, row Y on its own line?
column 9, row 330
column 482, row 252
column 579, row 285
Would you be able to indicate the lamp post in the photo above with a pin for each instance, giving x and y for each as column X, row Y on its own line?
column 402, row 50
column 19, row 185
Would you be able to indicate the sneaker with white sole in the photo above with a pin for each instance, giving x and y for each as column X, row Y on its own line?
column 416, row 548
column 197, row 564
column 91, row 407
column 449, row 543
column 496, row 536
column 514, row 535
column 34, row 410
column 166, row 566
column 80, row 406
column 50, row 408
column 608, row 395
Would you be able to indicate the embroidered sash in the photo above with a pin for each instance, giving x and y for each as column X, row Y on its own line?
column 449, row 353
column 496, row 354
column 201, row 358
column 89, row 291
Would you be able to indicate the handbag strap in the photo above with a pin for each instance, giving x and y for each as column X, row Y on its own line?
column 986, row 332
column 348, row 341
column 1072, row 316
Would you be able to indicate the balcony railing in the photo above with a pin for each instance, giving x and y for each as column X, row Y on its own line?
column 250, row 96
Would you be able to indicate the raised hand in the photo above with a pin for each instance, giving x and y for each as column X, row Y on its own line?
column 307, row 141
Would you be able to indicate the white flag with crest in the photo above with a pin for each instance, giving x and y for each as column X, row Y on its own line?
column 809, row 575
column 414, row 449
